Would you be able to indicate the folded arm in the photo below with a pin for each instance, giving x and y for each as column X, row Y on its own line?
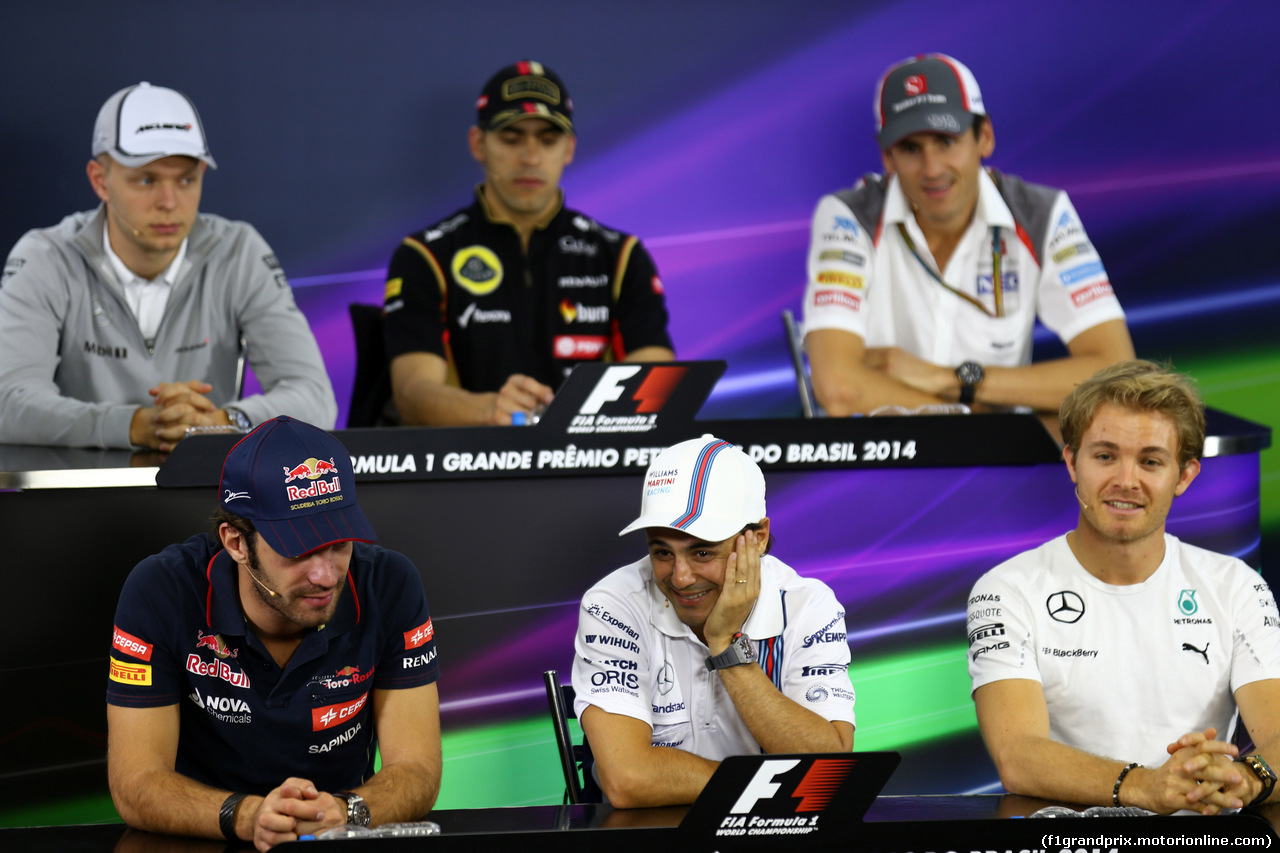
column 635, row 774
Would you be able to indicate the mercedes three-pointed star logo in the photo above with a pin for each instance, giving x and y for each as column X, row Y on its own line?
column 1065, row 606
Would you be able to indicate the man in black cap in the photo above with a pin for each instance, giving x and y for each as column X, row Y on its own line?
column 489, row 309
column 925, row 282
column 254, row 673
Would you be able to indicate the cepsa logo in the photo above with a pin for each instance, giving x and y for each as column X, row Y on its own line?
column 419, row 635
column 332, row 715
column 130, row 644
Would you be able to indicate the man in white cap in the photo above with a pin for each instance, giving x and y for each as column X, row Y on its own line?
column 708, row 647
column 121, row 326
column 924, row 283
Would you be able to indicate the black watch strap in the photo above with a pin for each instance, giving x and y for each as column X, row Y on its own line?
column 1265, row 774
column 227, row 816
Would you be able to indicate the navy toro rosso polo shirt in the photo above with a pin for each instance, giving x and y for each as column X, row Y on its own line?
column 246, row 724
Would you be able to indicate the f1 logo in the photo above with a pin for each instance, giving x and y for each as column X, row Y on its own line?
column 814, row 791
column 608, row 388
column 762, row 786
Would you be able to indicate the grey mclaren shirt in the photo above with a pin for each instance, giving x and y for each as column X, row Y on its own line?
column 74, row 365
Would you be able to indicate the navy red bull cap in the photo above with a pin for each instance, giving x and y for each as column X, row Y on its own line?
column 705, row 487
column 295, row 483
column 525, row 89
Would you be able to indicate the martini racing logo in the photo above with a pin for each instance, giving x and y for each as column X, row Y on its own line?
column 613, row 406
column 333, row 715
column 477, row 270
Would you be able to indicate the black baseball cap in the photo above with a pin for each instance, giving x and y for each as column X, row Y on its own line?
column 525, row 89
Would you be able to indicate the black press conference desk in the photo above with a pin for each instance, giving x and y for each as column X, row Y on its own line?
column 893, row 825
column 509, row 526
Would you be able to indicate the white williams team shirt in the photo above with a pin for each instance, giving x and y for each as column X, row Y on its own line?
column 1126, row 670
column 634, row 657
column 863, row 277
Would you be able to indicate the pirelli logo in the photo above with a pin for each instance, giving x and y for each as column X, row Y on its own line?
column 131, row 673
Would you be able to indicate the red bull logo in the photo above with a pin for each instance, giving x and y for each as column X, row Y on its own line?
column 311, row 469
column 215, row 644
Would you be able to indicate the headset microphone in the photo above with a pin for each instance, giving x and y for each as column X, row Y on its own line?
column 1082, row 503
column 269, row 590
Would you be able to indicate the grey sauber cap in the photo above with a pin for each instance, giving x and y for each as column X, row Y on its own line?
column 930, row 93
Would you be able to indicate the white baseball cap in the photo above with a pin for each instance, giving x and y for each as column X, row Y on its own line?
column 705, row 487
column 143, row 123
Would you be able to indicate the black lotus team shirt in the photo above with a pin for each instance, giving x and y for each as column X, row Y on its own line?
column 465, row 290
column 246, row 725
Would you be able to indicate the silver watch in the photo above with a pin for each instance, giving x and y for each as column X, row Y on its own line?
column 357, row 808
column 741, row 651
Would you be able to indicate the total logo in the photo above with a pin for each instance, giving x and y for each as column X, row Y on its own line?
column 576, row 312
column 332, row 715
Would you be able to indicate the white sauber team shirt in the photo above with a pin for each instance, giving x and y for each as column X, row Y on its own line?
column 863, row 278
column 1126, row 670
column 634, row 657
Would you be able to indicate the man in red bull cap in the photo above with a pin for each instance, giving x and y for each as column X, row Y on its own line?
column 709, row 646
column 488, row 310
column 254, row 673
column 924, row 283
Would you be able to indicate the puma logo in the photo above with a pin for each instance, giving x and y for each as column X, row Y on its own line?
column 1204, row 653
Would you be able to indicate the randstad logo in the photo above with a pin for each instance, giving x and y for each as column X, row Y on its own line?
column 1187, row 602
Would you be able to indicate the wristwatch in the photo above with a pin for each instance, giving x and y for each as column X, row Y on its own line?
column 741, row 651
column 238, row 418
column 357, row 808
column 1265, row 774
column 970, row 374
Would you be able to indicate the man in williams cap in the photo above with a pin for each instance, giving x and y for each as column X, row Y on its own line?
column 121, row 326
column 489, row 309
column 254, row 672
column 708, row 647
column 924, row 283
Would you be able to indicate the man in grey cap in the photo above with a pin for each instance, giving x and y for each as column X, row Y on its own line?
column 121, row 326
column 924, row 283
column 708, row 647
column 489, row 309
